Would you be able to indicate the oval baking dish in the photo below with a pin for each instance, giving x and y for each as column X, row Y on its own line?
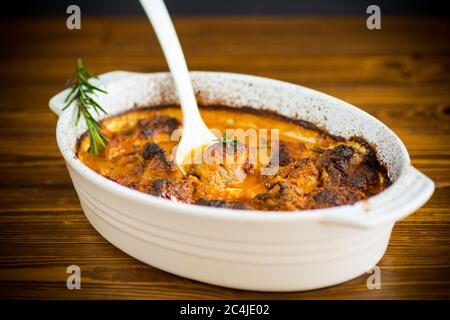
column 265, row 251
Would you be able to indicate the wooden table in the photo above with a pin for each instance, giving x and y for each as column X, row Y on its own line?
column 399, row 74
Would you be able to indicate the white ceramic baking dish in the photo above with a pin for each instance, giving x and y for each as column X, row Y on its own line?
column 265, row 251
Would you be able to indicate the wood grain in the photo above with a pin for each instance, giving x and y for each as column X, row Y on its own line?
column 399, row 74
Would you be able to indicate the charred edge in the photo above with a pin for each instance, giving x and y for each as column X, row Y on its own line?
column 153, row 150
column 372, row 158
column 263, row 112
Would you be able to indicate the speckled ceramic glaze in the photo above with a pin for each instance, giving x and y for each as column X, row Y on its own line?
column 266, row 251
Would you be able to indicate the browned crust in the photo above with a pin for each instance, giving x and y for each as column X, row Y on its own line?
column 372, row 152
column 274, row 115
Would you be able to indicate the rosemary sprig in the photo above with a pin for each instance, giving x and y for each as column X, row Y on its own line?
column 232, row 142
column 81, row 92
column 318, row 149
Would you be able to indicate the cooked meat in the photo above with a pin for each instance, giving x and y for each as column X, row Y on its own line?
column 222, row 204
column 224, row 153
column 223, row 165
column 336, row 163
column 366, row 176
column 152, row 150
column 117, row 148
column 284, row 158
column 339, row 167
column 156, row 157
column 287, row 152
column 281, row 196
column 156, row 163
column 363, row 178
column 316, row 171
column 301, row 173
column 157, row 125
column 330, row 197
column 179, row 190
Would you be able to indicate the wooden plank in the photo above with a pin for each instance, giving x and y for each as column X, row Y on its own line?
column 399, row 75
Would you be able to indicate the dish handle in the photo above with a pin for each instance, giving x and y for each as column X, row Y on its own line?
column 57, row 103
column 411, row 190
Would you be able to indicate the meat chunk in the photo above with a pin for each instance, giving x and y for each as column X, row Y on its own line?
column 336, row 163
column 308, row 168
column 365, row 176
column 302, row 173
column 340, row 167
column 287, row 152
column 157, row 125
column 153, row 150
column 155, row 156
column 117, row 148
column 226, row 152
column 222, row 165
column 222, row 204
column 173, row 189
column 330, row 197
column 282, row 196
column 156, row 163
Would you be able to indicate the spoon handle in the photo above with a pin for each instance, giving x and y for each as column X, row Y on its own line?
column 165, row 31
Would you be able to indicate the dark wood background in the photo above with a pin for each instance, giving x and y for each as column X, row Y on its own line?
column 234, row 7
column 399, row 74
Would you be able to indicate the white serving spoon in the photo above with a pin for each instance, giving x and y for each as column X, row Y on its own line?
column 195, row 131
